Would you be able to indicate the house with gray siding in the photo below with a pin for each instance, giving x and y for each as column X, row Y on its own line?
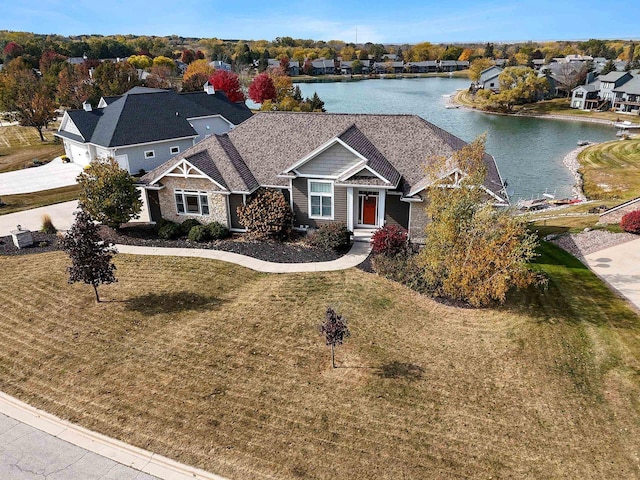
column 362, row 170
column 489, row 79
column 619, row 91
column 145, row 127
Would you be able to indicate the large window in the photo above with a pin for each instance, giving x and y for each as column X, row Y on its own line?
column 321, row 199
column 191, row 203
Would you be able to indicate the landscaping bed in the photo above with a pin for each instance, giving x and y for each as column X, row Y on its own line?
column 294, row 250
column 42, row 242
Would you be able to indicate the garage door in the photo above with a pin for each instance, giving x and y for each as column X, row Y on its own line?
column 78, row 154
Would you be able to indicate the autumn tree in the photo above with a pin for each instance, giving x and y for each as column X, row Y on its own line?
column 518, row 85
column 307, row 67
column 195, row 82
column 285, row 64
column 474, row 252
column 199, row 66
column 229, row 83
column 188, row 56
column 478, row 66
column 356, row 67
column 12, row 50
column 91, row 257
column 162, row 61
column 108, row 193
column 262, row 88
column 160, row 76
column 334, row 329
column 74, row 87
column 140, row 61
column 115, row 78
column 569, row 76
column 282, row 83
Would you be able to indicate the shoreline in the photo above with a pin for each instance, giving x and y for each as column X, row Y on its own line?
column 571, row 162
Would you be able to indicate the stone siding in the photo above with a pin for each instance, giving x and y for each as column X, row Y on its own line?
column 217, row 201
column 418, row 222
column 610, row 218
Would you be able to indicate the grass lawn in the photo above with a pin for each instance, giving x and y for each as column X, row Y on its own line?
column 20, row 145
column 26, row 201
column 223, row 368
column 611, row 170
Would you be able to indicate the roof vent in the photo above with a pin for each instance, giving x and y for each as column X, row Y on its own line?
column 209, row 88
column 177, row 114
column 86, row 106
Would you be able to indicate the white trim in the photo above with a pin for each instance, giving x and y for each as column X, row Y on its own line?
column 66, row 118
column 184, row 164
column 409, row 222
column 152, row 152
column 228, row 211
column 368, row 187
column 171, row 149
column 365, row 167
column 362, row 194
column 350, row 221
column 193, row 193
column 321, row 195
column 313, row 175
column 291, row 194
column 355, row 169
column 411, row 200
column 382, row 204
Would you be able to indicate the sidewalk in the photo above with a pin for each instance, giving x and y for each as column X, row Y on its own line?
column 36, row 444
column 358, row 254
column 61, row 214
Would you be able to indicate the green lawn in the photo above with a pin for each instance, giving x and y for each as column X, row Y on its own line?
column 19, row 146
column 223, row 368
column 26, row 201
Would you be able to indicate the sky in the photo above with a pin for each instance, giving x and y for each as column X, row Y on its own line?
column 410, row 21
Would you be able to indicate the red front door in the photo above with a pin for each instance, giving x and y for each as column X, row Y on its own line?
column 369, row 210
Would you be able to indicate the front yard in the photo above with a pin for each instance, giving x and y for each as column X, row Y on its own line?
column 223, row 368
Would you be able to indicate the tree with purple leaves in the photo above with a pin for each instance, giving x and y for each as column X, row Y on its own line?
column 335, row 330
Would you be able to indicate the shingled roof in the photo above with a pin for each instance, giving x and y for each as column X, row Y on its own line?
column 397, row 146
column 144, row 115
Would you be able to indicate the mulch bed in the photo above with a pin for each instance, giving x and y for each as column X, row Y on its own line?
column 293, row 250
column 42, row 242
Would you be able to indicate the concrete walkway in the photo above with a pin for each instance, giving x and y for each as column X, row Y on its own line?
column 54, row 174
column 61, row 214
column 619, row 266
column 358, row 254
column 36, row 445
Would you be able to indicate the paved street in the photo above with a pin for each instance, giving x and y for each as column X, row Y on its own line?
column 27, row 453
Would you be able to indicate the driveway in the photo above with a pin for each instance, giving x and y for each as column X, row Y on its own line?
column 61, row 214
column 619, row 266
column 54, row 174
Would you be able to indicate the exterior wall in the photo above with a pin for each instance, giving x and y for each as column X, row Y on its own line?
column 217, row 201
column 397, row 212
column 78, row 153
column 136, row 158
column 301, row 205
column 615, row 216
column 70, row 127
column 333, row 161
column 102, row 152
column 418, row 222
column 576, row 100
column 216, row 126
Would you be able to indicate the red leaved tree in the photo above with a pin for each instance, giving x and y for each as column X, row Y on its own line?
column 12, row 50
column 262, row 88
column 229, row 83
column 188, row 56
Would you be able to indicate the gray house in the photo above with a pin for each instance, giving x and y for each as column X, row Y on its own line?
column 615, row 90
column 388, row 67
column 363, row 170
column 489, row 79
column 145, row 127
column 428, row 66
column 323, row 67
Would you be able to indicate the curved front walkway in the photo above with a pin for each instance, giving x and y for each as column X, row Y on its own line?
column 358, row 254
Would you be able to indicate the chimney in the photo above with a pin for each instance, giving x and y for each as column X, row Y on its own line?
column 86, row 106
column 209, row 88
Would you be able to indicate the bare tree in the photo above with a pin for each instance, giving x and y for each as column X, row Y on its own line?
column 335, row 330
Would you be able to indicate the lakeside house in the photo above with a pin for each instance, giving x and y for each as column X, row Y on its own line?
column 427, row 66
column 346, row 67
column 145, row 127
column 363, row 170
column 489, row 79
column 294, row 68
column 619, row 91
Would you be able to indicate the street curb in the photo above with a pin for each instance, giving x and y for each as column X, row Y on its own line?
column 120, row 452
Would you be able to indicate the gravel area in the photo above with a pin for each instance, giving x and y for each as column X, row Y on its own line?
column 584, row 243
column 294, row 250
column 42, row 242
column 573, row 165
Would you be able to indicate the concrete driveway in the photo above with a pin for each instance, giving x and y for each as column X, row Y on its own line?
column 54, row 174
column 619, row 266
column 61, row 214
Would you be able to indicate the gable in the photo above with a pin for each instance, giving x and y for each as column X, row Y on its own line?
column 67, row 125
column 330, row 162
column 187, row 170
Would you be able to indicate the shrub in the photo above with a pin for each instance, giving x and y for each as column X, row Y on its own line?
column 402, row 268
column 47, row 225
column 389, row 240
column 631, row 222
column 267, row 214
column 217, row 230
column 169, row 230
column 188, row 224
column 334, row 236
column 199, row 233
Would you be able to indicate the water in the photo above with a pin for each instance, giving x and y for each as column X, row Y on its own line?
column 528, row 151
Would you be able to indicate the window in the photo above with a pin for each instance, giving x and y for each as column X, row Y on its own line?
column 150, row 154
column 320, row 199
column 175, row 150
column 191, row 203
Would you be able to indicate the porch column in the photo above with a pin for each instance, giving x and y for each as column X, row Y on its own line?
column 381, row 208
column 350, row 208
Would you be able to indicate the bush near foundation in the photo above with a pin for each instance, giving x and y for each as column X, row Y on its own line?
column 389, row 240
column 631, row 222
column 266, row 215
column 199, row 233
column 217, row 231
column 330, row 236
column 188, row 224
column 169, row 230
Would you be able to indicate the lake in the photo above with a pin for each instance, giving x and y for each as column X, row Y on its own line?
column 528, row 151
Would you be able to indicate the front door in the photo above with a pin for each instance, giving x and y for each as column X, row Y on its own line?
column 369, row 210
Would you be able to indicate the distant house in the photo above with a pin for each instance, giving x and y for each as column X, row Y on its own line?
column 501, row 62
column 323, row 67
column 585, row 97
column 220, row 65
column 538, row 63
column 390, row 57
column 427, row 66
column 365, row 171
column 615, row 90
column 489, row 79
column 448, row 65
column 388, row 67
column 294, row 68
column 181, row 67
column 627, row 96
column 146, row 126
column 346, row 68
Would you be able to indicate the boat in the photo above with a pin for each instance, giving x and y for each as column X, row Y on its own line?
column 624, row 127
column 582, row 143
column 450, row 106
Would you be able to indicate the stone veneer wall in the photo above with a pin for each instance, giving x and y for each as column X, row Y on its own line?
column 418, row 222
column 217, row 201
column 615, row 216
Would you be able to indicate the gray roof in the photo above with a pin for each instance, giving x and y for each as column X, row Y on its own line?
column 397, row 146
column 425, row 63
column 145, row 115
column 590, row 87
column 612, row 76
column 630, row 87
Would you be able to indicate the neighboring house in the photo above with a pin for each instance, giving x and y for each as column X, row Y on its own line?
column 448, row 65
column 585, row 97
column 181, row 67
column 489, row 79
column 538, row 63
column 363, row 170
column 627, row 96
column 390, row 57
column 220, row 65
column 294, row 68
column 146, row 126
column 346, row 68
column 615, row 90
column 427, row 66
column 388, row 67
column 323, row 67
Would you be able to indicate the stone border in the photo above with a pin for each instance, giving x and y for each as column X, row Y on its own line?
column 115, row 450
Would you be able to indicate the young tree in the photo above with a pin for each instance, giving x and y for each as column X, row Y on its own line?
column 91, row 258
column 475, row 252
column 229, row 83
column 108, row 193
column 335, row 330
column 262, row 88
column 356, row 67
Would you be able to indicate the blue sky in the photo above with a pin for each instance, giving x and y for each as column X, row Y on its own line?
column 386, row 22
